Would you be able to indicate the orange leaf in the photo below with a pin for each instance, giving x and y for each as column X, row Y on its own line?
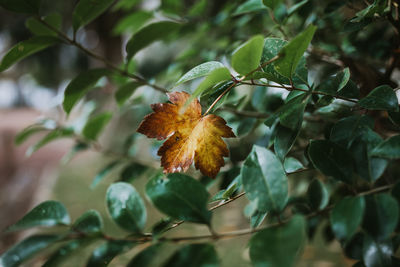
column 190, row 136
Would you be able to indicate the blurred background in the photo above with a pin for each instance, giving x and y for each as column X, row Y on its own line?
column 32, row 91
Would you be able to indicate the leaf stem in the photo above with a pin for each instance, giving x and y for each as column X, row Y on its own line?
column 238, row 81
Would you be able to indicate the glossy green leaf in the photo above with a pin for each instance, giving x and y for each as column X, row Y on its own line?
column 377, row 253
column 366, row 166
column 21, row 6
column 335, row 83
column 194, row 255
column 246, row 58
column 292, row 52
column 132, row 22
column 291, row 113
column 250, row 6
column 48, row 213
column 106, row 252
column 284, row 140
column 89, row 223
column 26, row 249
column 257, row 218
column 272, row 46
column 264, row 180
column 381, row 98
column 104, row 172
column 331, row 159
column 214, row 77
column 53, row 135
column 389, row 148
column 381, row 215
column 317, row 195
column 180, row 197
column 149, row 34
column 87, row 10
column 201, row 70
column 38, row 28
column 278, row 246
column 64, row 253
column 296, row 7
column 345, row 131
column 125, row 92
column 145, row 258
column 347, row 216
column 95, row 125
column 211, row 94
column 80, row 85
column 394, row 117
column 132, row 171
column 292, row 164
column 126, row 207
column 26, row 48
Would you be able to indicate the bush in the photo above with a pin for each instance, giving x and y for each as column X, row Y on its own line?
column 308, row 88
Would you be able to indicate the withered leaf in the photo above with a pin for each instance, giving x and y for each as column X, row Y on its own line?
column 190, row 136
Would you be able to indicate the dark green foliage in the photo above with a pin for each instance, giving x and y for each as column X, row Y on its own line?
column 309, row 88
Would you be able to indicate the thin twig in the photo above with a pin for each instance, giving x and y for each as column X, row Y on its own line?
column 108, row 64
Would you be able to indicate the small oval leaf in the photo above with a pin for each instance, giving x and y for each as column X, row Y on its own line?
column 194, row 255
column 180, row 197
column 48, row 213
column 126, row 207
column 87, row 10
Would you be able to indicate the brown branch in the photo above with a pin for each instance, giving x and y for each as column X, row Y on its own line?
column 108, row 64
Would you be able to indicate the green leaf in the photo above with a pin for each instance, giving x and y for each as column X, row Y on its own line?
column 272, row 47
column 389, row 148
column 394, row 117
column 38, row 28
column 292, row 52
column 21, row 6
column 291, row 113
column 26, row 249
column 28, row 132
column 246, row 58
column 106, row 252
column 377, row 253
column 132, row 171
column 292, row 164
column 132, row 22
column 95, row 125
column 346, row 217
column 331, row 159
column 125, row 92
column 126, row 207
column 296, row 7
column 264, row 180
column 149, row 34
column 180, row 197
column 80, row 85
column 194, row 255
column 317, row 195
column 201, row 70
column 145, row 258
column 211, row 94
column 87, row 10
column 214, row 77
column 381, row 98
column 381, row 215
column 257, row 218
column 284, row 140
column 335, row 83
column 103, row 172
column 278, row 246
column 250, row 6
column 345, row 131
column 26, row 48
column 366, row 166
column 89, row 223
column 64, row 253
column 272, row 4
column 53, row 135
column 48, row 213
